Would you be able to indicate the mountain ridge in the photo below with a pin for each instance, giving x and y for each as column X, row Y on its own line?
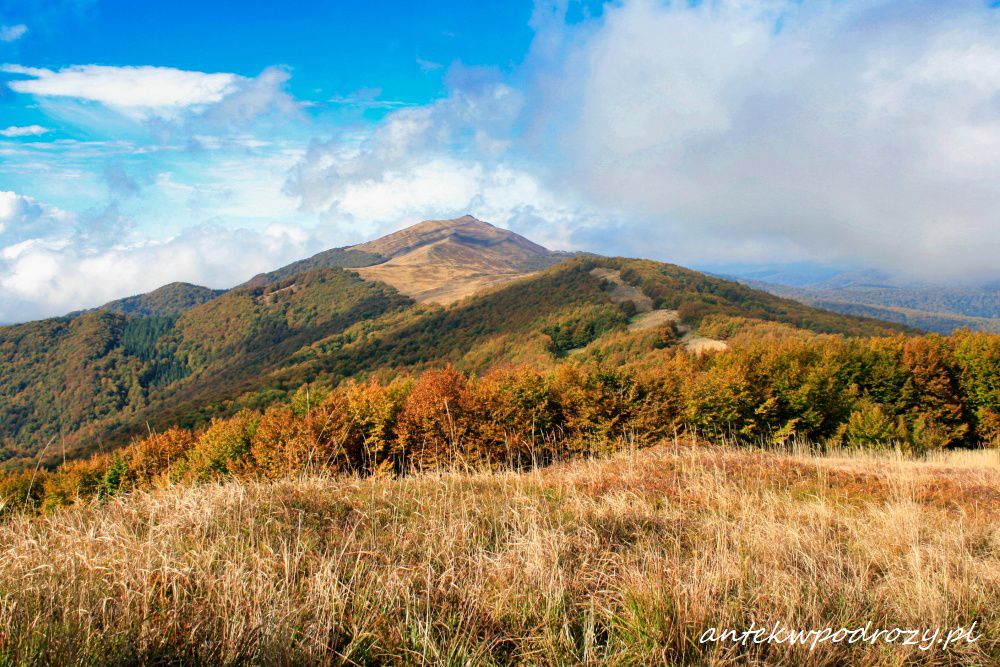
column 96, row 379
column 934, row 309
column 171, row 299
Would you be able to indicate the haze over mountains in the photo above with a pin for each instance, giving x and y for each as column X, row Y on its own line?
column 875, row 294
column 446, row 291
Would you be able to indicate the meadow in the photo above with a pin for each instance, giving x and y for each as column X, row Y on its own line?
column 624, row 559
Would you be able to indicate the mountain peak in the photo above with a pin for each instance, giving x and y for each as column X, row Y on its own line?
column 466, row 228
column 441, row 261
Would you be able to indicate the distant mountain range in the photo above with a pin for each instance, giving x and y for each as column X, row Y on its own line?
column 872, row 294
column 445, row 291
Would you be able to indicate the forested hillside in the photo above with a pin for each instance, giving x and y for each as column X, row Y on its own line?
column 172, row 299
column 776, row 384
column 66, row 383
column 93, row 381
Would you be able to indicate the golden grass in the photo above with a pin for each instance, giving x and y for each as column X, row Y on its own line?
column 624, row 561
column 435, row 283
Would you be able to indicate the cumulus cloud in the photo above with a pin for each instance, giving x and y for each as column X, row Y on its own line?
column 12, row 33
column 439, row 160
column 23, row 218
column 51, row 264
column 24, row 131
column 778, row 131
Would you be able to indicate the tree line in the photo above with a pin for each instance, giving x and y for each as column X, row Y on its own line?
column 913, row 392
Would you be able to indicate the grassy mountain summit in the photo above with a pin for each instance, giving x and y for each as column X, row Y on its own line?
column 508, row 249
column 441, row 261
column 446, row 291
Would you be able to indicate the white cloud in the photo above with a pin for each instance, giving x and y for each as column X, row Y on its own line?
column 50, row 265
column 22, row 218
column 440, row 160
column 24, row 131
column 780, row 131
column 12, row 33
column 728, row 131
column 135, row 91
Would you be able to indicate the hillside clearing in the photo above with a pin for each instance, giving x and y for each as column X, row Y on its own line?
column 700, row 345
column 626, row 560
column 653, row 320
column 621, row 291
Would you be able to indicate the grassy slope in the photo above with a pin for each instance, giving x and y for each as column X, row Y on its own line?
column 621, row 561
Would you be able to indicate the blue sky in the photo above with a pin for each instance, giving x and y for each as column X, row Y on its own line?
column 142, row 143
column 335, row 48
column 346, row 64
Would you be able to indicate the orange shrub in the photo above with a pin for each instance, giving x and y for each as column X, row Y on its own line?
column 75, row 481
column 938, row 415
column 429, row 425
column 509, row 416
column 604, row 406
column 373, row 410
column 149, row 460
column 285, row 443
column 23, row 489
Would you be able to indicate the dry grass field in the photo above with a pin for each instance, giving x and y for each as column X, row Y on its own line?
column 444, row 261
column 621, row 561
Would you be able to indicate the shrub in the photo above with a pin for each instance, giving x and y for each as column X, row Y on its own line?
column 150, row 459
column 114, row 477
column 602, row 406
column 22, row 490
column 286, row 443
column 870, row 426
column 75, row 481
column 373, row 410
column 429, row 427
column 582, row 325
column 932, row 394
column 306, row 398
column 977, row 356
column 219, row 449
column 988, row 427
column 510, row 415
column 719, row 401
